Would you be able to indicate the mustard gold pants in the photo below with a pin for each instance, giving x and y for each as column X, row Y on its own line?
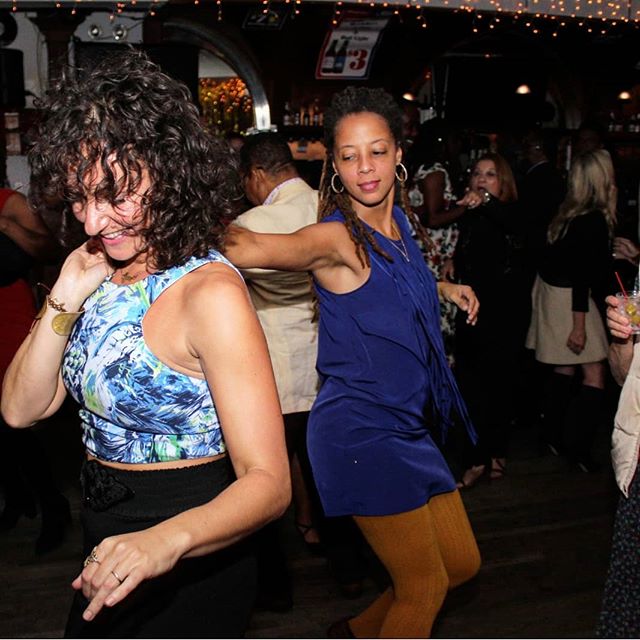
column 426, row 551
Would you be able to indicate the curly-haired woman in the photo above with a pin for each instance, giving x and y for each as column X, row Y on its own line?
column 386, row 383
column 179, row 410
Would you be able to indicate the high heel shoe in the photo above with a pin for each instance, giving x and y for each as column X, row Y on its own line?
column 340, row 629
column 316, row 548
column 471, row 477
column 498, row 468
column 13, row 511
column 56, row 517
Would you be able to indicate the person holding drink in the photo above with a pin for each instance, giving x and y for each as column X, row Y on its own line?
column 387, row 389
column 153, row 333
column 620, row 611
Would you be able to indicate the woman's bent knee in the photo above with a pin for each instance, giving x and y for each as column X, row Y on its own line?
column 467, row 569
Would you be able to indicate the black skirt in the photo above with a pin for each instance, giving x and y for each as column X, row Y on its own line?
column 205, row 597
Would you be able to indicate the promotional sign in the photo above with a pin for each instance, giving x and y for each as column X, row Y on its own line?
column 348, row 49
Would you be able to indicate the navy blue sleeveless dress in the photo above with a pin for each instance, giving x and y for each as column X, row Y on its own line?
column 386, row 386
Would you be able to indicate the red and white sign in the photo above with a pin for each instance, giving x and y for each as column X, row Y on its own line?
column 348, row 49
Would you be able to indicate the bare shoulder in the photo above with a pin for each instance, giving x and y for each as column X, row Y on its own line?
column 15, row 206
column 434, row 177
column 335, row 238
column 215, row 281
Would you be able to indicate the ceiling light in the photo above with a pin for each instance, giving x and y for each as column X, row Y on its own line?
column 94, row 31
column 523, row 90
column 119, row 32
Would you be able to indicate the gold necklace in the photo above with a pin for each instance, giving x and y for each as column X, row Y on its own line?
column 126, row 276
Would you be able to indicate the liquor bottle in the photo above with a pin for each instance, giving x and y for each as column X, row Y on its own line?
column 341, row 57
column 316, row 113
column 296, row 117
column 287, row 118
column 329, row 58
column 287, row 115
column 306, row 118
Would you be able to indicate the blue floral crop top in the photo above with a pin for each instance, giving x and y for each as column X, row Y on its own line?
column 134, row 408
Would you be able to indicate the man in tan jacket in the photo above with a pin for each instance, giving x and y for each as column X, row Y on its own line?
column 284, row 203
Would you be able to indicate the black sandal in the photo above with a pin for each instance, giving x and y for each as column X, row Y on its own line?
column 498, row 469
column 316, row 548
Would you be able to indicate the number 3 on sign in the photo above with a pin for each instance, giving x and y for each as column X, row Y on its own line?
column 359, row 59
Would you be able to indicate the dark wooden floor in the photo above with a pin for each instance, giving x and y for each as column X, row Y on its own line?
column 543, row 531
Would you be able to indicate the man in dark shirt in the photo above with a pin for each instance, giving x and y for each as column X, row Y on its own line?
column 541, row 191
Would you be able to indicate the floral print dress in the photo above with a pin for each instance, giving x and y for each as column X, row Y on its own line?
column 443, row 246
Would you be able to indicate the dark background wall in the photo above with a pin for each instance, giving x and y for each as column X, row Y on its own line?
column 582, row 68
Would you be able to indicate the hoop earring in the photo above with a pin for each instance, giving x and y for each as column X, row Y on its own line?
column 333, row 184
column 404, row 173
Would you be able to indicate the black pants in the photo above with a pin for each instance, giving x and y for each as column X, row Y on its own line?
column 488, row 386
column 204, row 597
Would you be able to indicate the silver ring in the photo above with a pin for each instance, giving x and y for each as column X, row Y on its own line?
column 92, row 557
column 116, row 576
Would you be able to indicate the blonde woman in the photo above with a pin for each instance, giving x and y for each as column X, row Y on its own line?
column 566, row 328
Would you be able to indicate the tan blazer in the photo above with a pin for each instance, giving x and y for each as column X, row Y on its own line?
column 283, row 299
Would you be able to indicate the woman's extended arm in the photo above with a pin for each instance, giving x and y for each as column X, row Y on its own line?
column 223, row 332
column 326, row 249
column 26, row 229
column 436, row 211
column 32, row 388
column 309, row 248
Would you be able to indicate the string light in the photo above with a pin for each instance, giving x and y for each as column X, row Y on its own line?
column 335, row 18
column 594, row 16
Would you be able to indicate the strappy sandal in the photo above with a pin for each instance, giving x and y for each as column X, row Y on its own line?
column 498, row 468
column 471, row 477
column 316, row 548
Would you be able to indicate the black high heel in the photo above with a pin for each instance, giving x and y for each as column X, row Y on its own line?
column 13, row 511
column 315, row 548
column 56, row 517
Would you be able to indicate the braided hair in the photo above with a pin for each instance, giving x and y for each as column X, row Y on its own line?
column 347, row 102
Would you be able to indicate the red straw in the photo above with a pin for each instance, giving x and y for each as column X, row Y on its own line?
column 621, row 285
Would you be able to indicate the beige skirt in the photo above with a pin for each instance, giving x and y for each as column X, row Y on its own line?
column 552, row 322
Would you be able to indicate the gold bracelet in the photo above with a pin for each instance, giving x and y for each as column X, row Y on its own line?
column 54, row 304
column 62, row 323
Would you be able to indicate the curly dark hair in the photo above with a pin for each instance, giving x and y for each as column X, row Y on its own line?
column 347, row 102
column 126, row 114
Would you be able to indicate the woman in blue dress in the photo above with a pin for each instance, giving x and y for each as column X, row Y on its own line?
column 387, row 390
column 152, row 332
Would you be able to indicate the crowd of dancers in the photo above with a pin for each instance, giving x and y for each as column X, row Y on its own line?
column 316, row 345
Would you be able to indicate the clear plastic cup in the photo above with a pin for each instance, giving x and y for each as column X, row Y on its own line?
column 629, row 305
